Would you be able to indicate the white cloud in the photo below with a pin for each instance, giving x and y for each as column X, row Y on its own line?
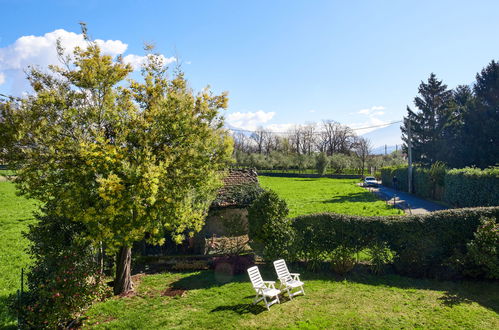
column 137, row 61
column 249, row 120
column 373, row 113
column 41, row 51
column 2, row 78
column 311, row 111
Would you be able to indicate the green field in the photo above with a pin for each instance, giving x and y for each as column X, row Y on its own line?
column 214, row 300
column 359, row 301
column 314, row 195
column 16, row 213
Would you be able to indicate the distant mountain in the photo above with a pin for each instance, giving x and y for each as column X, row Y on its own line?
column 391, row 136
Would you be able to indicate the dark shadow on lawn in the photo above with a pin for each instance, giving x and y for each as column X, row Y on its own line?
column 484, row 293
column 360, row 197
column 241, row 309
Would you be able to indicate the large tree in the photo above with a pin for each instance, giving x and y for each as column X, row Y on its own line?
column 481, row 122
column 128, row 159
column 427, row 124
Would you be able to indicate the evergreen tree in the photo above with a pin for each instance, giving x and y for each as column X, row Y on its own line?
column 455, row 143
column 482, row 120
column 427, row 124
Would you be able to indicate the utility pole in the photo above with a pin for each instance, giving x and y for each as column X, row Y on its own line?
column 385, row 149
column 409, row 155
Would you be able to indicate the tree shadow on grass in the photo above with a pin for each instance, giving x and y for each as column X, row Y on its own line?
column 484, row 293
column 207, row 279
column 360, row 197
column 241, row 309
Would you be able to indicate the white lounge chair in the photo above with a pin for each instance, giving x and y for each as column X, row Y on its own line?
column 264, row 289
column 289, row 281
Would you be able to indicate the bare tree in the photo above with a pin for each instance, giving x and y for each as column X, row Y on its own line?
column 261, row 137
column 308, row 138
column 363, row 149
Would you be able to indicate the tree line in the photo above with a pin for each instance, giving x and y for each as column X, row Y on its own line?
column 312, row 146
column 460, row 126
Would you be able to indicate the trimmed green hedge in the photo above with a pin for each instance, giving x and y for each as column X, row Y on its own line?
column 424, row 245
column 467, row 187
column 472, row 186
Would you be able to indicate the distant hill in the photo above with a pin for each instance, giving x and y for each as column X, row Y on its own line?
column 390, row 136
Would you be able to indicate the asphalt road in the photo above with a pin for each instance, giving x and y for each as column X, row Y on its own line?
column 408, row 202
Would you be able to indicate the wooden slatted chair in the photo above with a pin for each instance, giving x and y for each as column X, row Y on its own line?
column 289, row 281
column 264, row 289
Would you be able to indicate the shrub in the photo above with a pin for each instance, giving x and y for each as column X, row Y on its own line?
column 269, row 228
column 472, row 187
column 379, row 256
column 64, row 278
column 466, row 187
column 422, row 245
column 482, row 259
column 342, row 260
column 322, row 162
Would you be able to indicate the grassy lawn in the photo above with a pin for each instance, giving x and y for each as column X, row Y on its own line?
column 314, row 195
column 15, row 216
column 360, row 301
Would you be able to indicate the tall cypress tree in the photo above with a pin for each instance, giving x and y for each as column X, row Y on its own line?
column 481, row 127
column 456, row 145
column 428, row 123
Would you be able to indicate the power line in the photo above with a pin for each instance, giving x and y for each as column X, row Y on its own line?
column 316, row 133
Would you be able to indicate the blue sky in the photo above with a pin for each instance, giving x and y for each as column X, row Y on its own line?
column 283, row 62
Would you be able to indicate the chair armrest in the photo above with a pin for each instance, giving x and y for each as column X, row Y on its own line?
column 296, row 276
column 270, row 284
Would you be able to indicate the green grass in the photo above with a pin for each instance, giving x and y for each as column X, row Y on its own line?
column 16, row 213
column 306, row 196
column 360, row 301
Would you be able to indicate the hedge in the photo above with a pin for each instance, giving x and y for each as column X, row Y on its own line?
column 467, row 187
column 423, row 245
column 472, row 186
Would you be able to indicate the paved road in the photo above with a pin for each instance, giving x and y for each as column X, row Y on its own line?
column 408, row 202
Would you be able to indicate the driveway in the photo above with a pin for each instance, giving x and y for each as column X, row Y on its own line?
column 408, row 202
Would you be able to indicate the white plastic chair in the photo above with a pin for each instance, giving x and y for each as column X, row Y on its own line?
column 289, row 281
column 264, row 289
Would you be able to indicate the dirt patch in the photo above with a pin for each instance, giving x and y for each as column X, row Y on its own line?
column 171, row 292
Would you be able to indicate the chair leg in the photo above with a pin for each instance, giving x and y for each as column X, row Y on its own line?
column 266, row 304
column 302, row 290
column 289, row 294
column 277, row 297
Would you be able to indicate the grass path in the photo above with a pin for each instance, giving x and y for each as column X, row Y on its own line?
column 314, row 195
column 360, row 301
column 16, row 213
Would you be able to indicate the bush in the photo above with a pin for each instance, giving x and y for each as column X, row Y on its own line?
column 269, row 228
column 64, row 278
column 422, row 245
column 379, row 256
column 472, row 187
column 322, row 163
column 466, row 187
column 342, row 260
column 482, row 259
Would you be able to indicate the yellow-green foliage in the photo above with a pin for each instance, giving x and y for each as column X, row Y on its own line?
column 127, row 158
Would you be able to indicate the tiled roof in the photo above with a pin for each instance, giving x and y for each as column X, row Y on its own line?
column 235, row 177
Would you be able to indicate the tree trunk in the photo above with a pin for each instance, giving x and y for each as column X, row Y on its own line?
column 123, row 280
